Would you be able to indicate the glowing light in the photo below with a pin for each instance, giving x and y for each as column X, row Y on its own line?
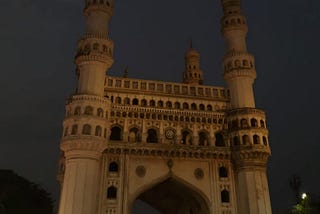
column 304, row 196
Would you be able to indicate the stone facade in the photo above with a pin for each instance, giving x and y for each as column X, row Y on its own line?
column 180, row 147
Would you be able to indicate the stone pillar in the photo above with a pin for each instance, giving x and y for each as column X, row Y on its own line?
column 81, row 182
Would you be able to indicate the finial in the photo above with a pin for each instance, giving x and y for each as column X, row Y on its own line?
column 191, row 44
column 126, row 72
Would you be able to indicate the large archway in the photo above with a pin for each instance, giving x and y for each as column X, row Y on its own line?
column 174, row 197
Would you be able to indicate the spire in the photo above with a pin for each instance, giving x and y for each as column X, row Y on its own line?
column 192, row 74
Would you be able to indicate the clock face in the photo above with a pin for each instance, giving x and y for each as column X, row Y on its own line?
column 170, row 134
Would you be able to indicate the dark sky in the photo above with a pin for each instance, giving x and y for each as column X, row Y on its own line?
column 38, row 42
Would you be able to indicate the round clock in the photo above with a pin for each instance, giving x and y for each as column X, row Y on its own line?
column 170, row 134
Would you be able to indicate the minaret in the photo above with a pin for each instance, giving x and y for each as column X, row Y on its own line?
column 85, row 126
column 192, row 74
column 247, row 127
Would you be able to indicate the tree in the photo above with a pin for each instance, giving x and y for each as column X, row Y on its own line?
column 18, row 195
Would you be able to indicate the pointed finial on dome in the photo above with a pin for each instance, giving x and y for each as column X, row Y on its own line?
column 191, row 44
column 126, row 72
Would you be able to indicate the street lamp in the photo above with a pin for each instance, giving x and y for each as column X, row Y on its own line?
column 304, row 196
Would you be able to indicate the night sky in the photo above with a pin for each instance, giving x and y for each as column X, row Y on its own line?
column 38, row 43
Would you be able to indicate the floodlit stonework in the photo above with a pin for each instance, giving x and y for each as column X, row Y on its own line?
column 180, row 147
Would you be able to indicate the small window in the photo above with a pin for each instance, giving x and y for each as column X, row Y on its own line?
column 223, row 172
column 225, row 196
column 74, row 129
column 135, row 101
column 98, row 131
column 254, row 122
column 152, row 103
column 113, row 167
column 115, row 133
column 256, row 139
column 265, row 141
column 100, row 112
column 245, row 140
column 143, row 102
column 152, row 136
column 118, row 100
column 77, row 110
column 168, row 104
column 160, row 104
column 88, row 110
column 177, row 105
column 219, row 140
column 86, row 130
column 201, row 107
column 112, row 192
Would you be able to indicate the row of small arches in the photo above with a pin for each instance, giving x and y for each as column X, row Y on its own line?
column 187, row 137
column 95, row 48
column 161, row 104
column 238, row 64
column 246, row 140
column 88, row 110
column 92, row 2
column 154, row 116
column 86, row 129
column 112, row 194
column 233, row 21
column 194, row 74
column 244, row 123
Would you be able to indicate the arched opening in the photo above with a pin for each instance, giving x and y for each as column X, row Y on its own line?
column 201, row 107
column 126, row 101
column 74, row 129
column 219, row 140
column 152, row 136
column 172, row 196
column 116, row 133
column 77, row 110
column 245, row 140
column 203, row 139
column 244, row 123
column 98, row 131
column 113, row 167
column 134, row 135
column 100, row 112
column 187, row 137
column 118, row 100
column 160, row 104
column 256, row 139
column 112, row 192
column 225, row 196
column 86, row 130
column 193, row 106
column 135, row 101
column 265, row 141
column 152, row 103
column 223, row 172
column 88, row 110
column 185, row 106
column 143, row 102
column 254, row 122
column 177, row 105
column 168, row 104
